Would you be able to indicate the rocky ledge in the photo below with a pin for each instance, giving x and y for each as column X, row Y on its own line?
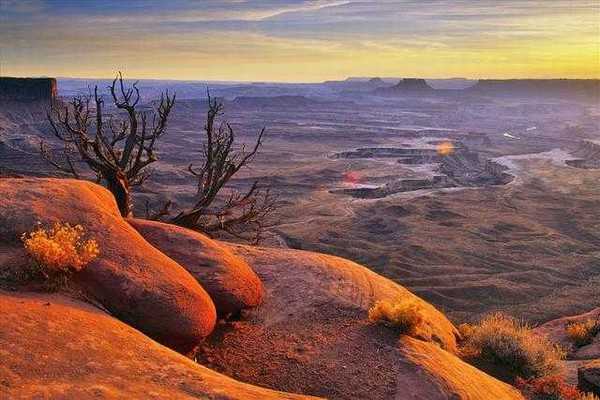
column 122, row 326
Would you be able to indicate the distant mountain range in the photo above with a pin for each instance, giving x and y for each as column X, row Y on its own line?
column 348, row 89
column 558, row 88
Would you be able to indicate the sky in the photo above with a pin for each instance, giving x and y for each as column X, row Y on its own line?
column 299, row 40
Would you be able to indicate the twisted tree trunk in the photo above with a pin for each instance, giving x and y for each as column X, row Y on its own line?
column 187, row 219
column 117, row 183
column 118, row 152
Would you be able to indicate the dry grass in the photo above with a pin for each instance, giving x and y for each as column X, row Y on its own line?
column 405, row 316
column 551, row 388
column 59, row 251
column 508, row 345
column 582, row 333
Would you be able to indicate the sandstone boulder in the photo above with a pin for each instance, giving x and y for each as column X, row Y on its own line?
column 590, row 351
column 52, row 347
column 588, row 377
column 312, row 335
column 134, row 281
column 317, row 279
column 228, row 279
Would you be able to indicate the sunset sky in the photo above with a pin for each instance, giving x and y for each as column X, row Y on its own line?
column 300, row 41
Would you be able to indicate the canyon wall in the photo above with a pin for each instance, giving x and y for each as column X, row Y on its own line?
column 27, row 89
column 582, row 88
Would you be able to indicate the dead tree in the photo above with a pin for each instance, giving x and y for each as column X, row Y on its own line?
column 241, row 215
column 118, row 152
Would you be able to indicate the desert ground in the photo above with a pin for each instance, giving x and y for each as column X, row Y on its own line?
column 462, row 200
column 506, row 219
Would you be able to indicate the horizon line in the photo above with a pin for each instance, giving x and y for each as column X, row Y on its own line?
column 297, row 82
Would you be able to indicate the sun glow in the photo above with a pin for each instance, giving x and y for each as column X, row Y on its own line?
column 445, row 148
column 300, row 42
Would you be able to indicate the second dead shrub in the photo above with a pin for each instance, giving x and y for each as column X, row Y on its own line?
column 583, row 333
column 512, row 346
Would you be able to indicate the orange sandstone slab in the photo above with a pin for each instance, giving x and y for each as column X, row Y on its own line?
column 52, row 347
column 136, row 282
column 311, row 335
column 228, row 279
column 314, row 279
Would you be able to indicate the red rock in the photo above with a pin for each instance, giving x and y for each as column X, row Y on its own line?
column 312, row 336
column 134, row 281
column 228, row 279
column 588, row 377
column 53, row 347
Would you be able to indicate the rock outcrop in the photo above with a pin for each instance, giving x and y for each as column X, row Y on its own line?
column 412, row 84
column 137, row 283
column 53, row 347
column 27, row 89
column 587, row 155
column 356, row 85
column 560, row 88
column 555, row 330
column 377, row 82
column 460, row 168
column 588, row 377
column 310, row 335
column 577, row 358
column 408, row 86
column 228, row 279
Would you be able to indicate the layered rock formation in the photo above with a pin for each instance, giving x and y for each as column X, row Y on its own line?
column 565, row 88
column 460, row 168
column 27, row 89
column 587, row 155
column 574, row 89
column 406, row 86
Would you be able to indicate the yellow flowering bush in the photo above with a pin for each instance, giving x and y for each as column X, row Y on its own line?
column 60, row 249
column 406, row 316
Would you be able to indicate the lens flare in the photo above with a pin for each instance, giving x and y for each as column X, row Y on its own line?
column 351, row 177
column 445, row 148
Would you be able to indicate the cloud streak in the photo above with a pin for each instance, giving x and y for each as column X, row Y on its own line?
column 301, row 40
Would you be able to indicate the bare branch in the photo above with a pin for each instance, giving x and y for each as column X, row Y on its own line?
column 68, row 166
column 241, row 216
column 120, row 157
column 159, row 213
